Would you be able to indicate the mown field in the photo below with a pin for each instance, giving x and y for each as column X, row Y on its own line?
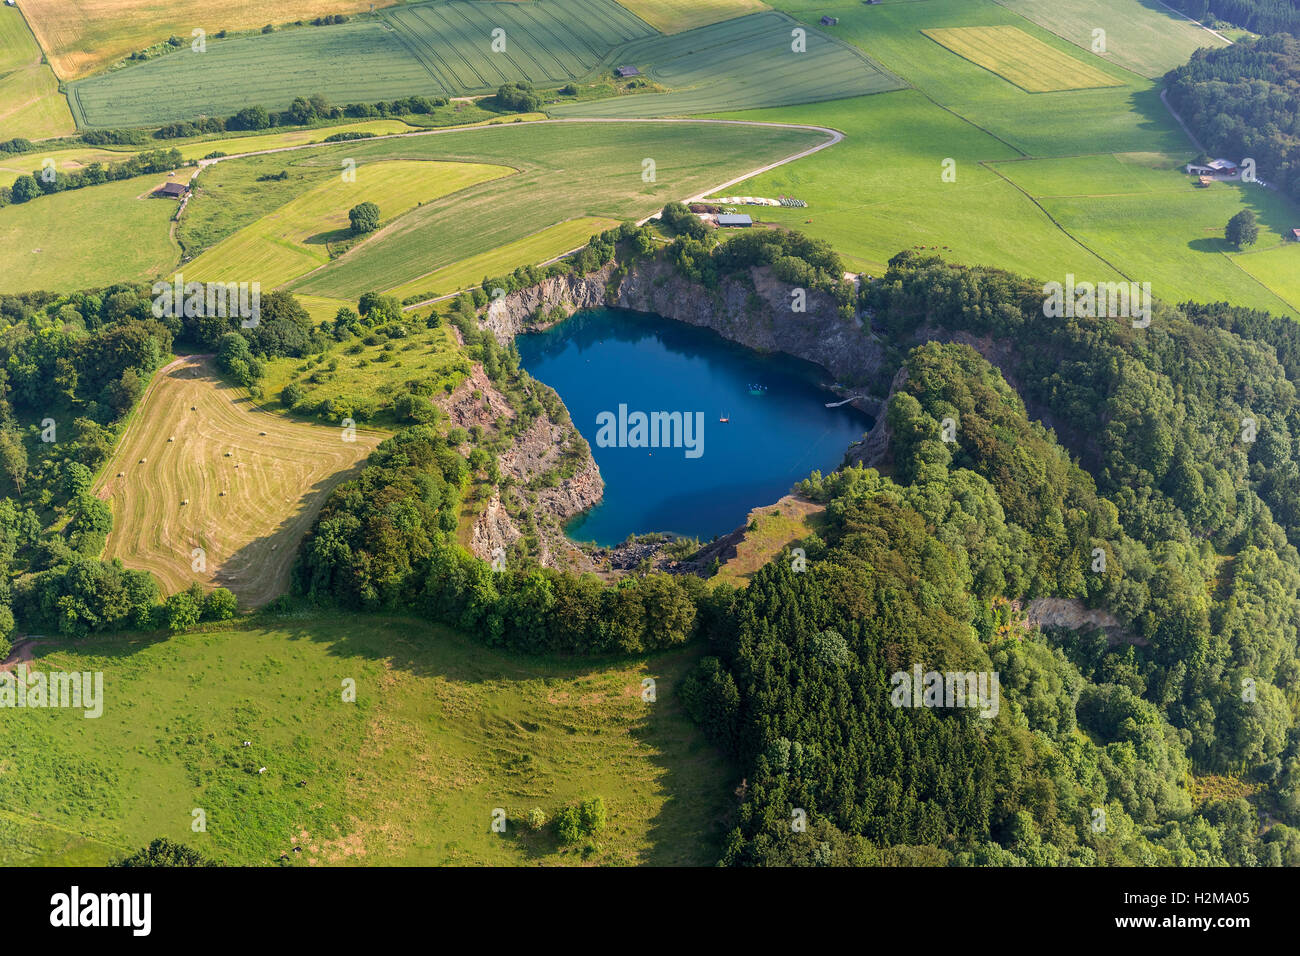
column 30, row 102
column 740, row 64
column 200, row 466
column 1018, row 58
column 442, row 732
column 567, row 171
column 528, row 251
column 292, row 240
column 676, row 16
column 1144, row 36
column 74, row 240
column 443, row 47
column 88, row 35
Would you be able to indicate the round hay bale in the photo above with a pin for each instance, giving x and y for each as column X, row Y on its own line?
column 143, row 460
column 171, row 437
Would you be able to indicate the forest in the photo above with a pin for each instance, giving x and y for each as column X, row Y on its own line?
column 1261, row 16
column 1244, row 101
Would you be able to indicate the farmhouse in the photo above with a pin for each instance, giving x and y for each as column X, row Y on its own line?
column 172, row 190
column 1216, row 167
column 740, row 220
column 623, row 72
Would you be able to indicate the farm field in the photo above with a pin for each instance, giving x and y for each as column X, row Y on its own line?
column 13, row 165
column 712, row 68
column 1144, row 36
column 1140, row 213
column 62, row 241
column 675, row 16
column 251, row 497
column 291, row 241
column 88, row 35
column 567, row 170
column 442, row 732
column 428, row 48
column 528, row 251
column 1275, row 266
column 31, row 105
column 1020, row 59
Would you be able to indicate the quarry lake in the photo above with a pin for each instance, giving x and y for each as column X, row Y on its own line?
column 615, row 370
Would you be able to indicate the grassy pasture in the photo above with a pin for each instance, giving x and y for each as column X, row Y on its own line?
column 676, row 16
column 1144, row 36
column 429, row 48
column 528, row 251
column 442, row 732
column 291, row 241
column 74, row 240
column 567, row 171
column 1275, row 265
column 30, row 102
column 740, row 64
column 87, row 35
column 1018, row 58
column 13, row 165
column 251, row 496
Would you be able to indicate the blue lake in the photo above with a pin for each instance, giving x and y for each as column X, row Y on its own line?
column 707, row 484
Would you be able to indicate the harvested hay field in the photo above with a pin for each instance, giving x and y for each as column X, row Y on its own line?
column 1021, row 59
column 203, row 467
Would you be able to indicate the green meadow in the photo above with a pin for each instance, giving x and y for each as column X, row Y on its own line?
column 442, row 733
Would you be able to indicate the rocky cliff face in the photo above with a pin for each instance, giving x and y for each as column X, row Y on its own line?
column 517, row 312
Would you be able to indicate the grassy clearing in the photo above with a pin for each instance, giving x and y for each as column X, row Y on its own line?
column 675, row 16
column 294, row 239
column 567, row 171
column 528, row 251
column 88, row 35
column 442, row 732
column 372, row 375
column 1141, row 35
column 65, row 160
column 718, row 67
column 429, row 48
column 253, row 481
column 30, row 102
column 768, row 530
column 1018, row 58
column 1142, row 213
column 74, row 240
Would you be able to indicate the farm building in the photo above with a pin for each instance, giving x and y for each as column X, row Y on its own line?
column 1295, row 235
column 830, row 21
column 1216, row 167
column 172, row 190
column 623, row 72
column 741, row 220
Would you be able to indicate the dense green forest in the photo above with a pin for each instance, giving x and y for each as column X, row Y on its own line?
column 1244, row 101
column 1261, row 16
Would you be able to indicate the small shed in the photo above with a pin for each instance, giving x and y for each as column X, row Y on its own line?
column 734, row 220
column 173, row 190
column 1295, row 235
column 623, row 72
column 830, row 21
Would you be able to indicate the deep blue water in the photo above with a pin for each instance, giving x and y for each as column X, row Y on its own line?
column 605, row 358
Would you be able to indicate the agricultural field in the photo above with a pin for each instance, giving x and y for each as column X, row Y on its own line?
column 201, row 466
column 567, row 170
column 294, row 239
column 1144, row 36
column 87, row 35
column 531, row 250
column 62, row 241
column 1020, row 59
column 1275, row 265
column 442, row 732
column 13, row 165
column 432, row 48
column 676, row 16
column 31, row 105
column 713, row 68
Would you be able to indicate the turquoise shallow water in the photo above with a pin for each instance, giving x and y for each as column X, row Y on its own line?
column 704, row 486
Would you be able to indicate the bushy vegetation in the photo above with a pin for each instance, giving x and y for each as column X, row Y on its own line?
column 303, row 111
